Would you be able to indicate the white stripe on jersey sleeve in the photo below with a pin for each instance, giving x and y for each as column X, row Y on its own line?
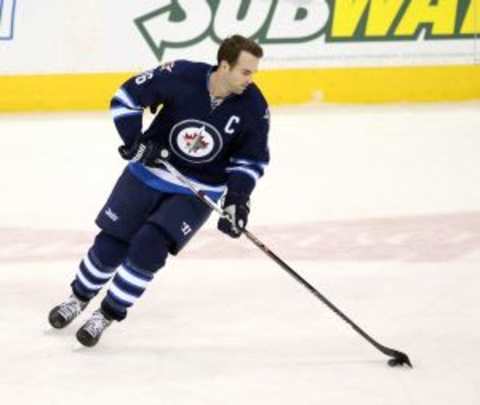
column 123, row 111
column 246, row 162
column 252, row 173
column 124, row 97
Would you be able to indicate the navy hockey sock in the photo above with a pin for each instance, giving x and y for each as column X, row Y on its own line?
column 127, row 287
column 148, row 248
column 147, row 254
column 98, row 266
column 109, row 250
column 91, row 277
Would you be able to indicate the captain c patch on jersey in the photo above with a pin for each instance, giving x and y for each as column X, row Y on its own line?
column 195, row 141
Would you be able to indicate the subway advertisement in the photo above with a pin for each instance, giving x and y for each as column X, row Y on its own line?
column 54, row 37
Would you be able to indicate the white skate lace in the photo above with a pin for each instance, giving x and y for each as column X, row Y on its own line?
column 96, row 324
column 70, row 308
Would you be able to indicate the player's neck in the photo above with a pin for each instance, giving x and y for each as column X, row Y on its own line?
column 217, row 87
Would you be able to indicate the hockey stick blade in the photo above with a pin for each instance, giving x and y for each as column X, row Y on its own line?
column 399, row 359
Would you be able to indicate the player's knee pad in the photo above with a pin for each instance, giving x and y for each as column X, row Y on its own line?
column 109, row 250
column 148, row 248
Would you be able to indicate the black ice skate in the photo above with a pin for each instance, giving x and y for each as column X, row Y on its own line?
column 91, row 331
column 63, row 314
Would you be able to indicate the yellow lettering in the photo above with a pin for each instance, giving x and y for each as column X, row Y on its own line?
column 441, row 15
column 381, row 16
column 346, row 16
column 471, row 22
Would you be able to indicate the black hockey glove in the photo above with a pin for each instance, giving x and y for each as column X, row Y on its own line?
column 144, row 152
column 237, row 207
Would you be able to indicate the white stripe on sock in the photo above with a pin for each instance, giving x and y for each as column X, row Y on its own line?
column 122, row 295
column 131, row 278
column 87, row 283
column 94, row 271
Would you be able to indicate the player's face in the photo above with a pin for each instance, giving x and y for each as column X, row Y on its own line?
column 240, row 75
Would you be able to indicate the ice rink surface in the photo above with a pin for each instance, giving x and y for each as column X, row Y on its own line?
column 377, row 207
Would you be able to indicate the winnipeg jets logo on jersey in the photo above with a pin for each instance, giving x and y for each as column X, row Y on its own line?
column 195, row 141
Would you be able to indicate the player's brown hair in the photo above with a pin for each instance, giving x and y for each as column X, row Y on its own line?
column 231, row 47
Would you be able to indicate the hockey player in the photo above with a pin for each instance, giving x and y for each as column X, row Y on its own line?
column 212, row 126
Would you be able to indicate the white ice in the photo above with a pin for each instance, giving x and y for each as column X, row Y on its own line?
column 377, row 206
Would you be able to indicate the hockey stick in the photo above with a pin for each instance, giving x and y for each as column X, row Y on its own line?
column 397, row 358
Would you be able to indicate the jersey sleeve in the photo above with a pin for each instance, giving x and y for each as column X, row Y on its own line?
column 150, row 88
column 247, row 164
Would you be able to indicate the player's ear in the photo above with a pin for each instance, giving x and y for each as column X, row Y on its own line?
column 224, row 65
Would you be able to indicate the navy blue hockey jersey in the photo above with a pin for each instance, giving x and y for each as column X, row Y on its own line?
column 214, row 145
